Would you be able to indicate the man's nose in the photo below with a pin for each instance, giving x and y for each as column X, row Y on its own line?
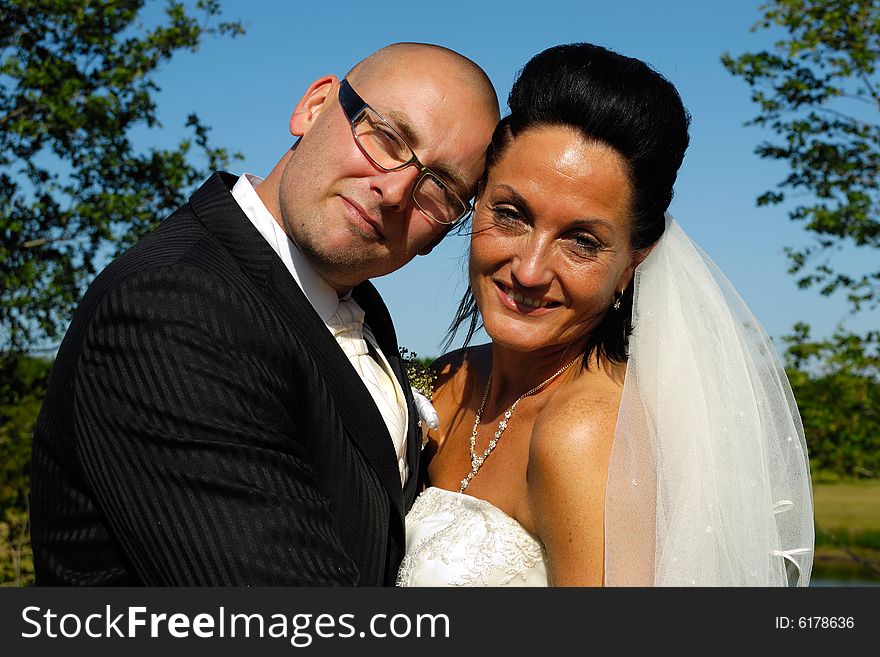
column 395, row 187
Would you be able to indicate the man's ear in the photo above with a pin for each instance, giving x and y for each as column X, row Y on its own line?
column 310, row 105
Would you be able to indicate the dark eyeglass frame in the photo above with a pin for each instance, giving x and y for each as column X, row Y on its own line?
column 354, row 107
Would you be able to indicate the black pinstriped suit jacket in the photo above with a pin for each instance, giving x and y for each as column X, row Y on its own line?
column 202, row 427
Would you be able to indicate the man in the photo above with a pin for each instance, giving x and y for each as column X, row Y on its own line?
column 209, row 420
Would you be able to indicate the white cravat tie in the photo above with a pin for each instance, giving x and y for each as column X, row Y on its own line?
column 347, row 327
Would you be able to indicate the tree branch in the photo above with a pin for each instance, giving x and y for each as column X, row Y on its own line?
column 21, row 109
column 845, row 117
column 861, row 99
column 864, row 77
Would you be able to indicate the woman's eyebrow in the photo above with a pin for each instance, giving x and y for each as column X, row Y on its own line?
column 516, row 197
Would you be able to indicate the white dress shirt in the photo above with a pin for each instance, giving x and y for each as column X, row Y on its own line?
column 321, row 296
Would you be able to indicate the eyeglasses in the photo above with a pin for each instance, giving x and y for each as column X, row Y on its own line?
column 385, row 148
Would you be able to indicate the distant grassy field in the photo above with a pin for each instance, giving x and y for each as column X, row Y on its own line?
column 852, row 505
column 848, row 525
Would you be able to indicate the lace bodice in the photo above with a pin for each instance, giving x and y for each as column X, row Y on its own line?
column 454, row 539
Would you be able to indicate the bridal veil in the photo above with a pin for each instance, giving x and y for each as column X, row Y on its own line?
column 709, row 481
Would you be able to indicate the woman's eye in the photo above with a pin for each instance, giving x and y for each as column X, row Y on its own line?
column 506, row 215
column 586, row 244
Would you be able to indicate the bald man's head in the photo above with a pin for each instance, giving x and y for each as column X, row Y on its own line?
column 353, row 218
column 389, row 59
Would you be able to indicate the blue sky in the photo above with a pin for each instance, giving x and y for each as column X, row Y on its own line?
column 246, row 88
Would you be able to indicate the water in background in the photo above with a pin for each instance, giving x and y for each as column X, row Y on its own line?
column 845, row 574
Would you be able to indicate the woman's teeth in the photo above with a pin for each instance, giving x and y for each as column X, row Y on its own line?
column 526, row 301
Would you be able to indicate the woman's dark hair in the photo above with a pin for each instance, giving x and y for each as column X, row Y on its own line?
column 617, row 101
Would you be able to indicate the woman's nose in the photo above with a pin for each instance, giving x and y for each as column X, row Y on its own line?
column 531, row 263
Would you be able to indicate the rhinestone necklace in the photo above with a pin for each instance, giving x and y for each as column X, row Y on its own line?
column 477, row 461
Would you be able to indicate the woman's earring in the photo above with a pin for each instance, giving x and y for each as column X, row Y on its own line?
column 617, row 298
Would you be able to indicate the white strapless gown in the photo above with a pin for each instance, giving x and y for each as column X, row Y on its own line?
column 453, row 539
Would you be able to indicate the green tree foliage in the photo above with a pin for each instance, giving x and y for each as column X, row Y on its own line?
column 819, row 92
column 837, row 386
column 76, row 77
column 23, row 382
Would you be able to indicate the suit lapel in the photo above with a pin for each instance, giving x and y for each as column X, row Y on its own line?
column 216, row 207
column 359, row 414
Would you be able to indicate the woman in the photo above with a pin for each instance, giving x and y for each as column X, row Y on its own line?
column 569, row 451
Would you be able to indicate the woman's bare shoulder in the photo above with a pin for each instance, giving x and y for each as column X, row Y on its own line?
column 457, row 366
column 569, row 454
column 578, row 420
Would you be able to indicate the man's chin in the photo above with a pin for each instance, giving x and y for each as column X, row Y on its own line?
column 343, row 273
column 352, row 260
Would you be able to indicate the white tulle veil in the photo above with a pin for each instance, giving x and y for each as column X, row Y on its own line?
column 709, row 481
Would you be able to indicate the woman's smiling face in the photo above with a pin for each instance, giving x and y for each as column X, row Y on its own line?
column 551, row 239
